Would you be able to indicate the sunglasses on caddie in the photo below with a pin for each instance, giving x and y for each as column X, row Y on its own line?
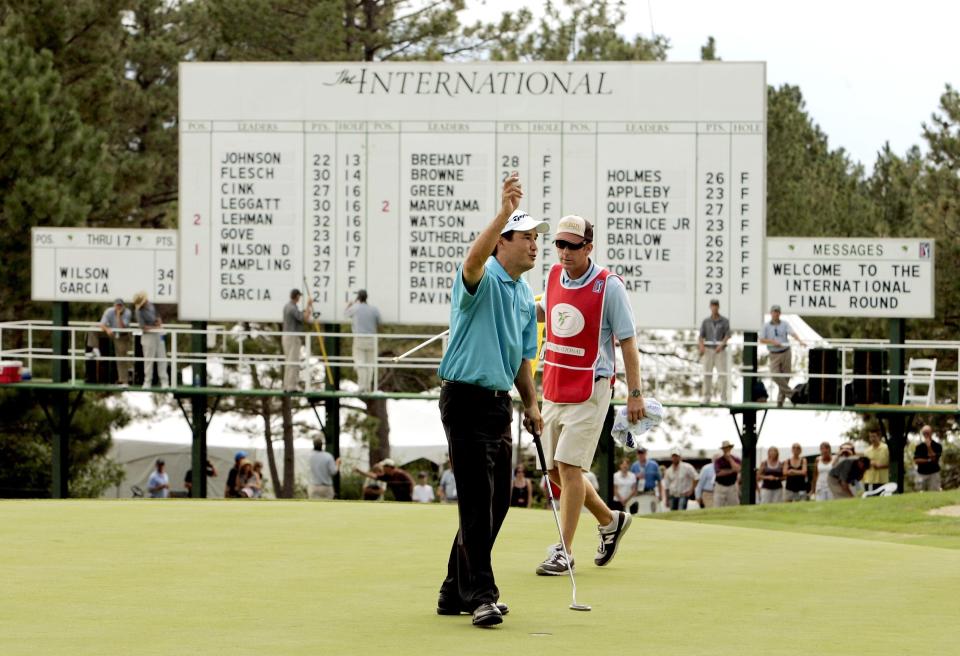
column 570, row 246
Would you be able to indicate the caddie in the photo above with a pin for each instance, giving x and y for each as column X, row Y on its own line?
column 585, row 308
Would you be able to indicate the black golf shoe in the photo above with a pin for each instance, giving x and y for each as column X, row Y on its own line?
column 487, row 615
column 445, row 607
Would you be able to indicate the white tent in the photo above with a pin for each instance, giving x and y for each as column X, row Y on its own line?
column 159, row 431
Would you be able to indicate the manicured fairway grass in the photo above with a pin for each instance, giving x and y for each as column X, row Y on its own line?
column 901, row 518
column 145, row 577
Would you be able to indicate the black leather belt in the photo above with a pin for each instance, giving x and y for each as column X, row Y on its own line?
column 599, row 377
column 473, row 389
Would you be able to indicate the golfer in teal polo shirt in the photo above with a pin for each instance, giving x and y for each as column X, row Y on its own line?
column 493, row 334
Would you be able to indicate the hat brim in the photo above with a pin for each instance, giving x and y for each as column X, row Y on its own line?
column 571, row 237
column 531, row 224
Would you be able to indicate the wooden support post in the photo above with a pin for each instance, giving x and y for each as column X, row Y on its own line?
column 607, row 451
column 332, row 405
column 896, row 423
column 198, row 407
column 749, row 437
column 60, row 455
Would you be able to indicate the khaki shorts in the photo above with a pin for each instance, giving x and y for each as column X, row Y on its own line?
column 571, row 431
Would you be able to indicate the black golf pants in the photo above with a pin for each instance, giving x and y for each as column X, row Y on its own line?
column 477, row 424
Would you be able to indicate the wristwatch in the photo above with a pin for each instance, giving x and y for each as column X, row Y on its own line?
column 635, row 393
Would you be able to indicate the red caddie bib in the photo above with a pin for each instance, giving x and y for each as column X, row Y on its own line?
column 573, row 318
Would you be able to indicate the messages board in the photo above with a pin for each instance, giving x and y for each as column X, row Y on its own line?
column 379, row 176
column 827, row 277
column 101, row 264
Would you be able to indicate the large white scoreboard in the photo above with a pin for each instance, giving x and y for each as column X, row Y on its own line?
column 379, row 176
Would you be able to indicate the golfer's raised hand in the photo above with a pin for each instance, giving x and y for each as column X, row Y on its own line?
column 512, row 193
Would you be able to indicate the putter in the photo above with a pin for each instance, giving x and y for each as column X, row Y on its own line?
column 553, row 507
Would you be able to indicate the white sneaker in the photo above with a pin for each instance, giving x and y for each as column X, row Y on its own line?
column 610, row 540
column 556, row 563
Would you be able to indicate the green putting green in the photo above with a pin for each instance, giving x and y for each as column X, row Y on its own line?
column 247, row 577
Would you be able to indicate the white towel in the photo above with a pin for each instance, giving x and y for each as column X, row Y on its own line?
column 625, row 434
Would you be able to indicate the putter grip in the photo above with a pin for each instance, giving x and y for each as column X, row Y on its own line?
column 543, row 460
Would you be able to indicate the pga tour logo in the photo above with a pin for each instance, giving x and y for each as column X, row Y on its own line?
column 924, row 250
column 566, row 320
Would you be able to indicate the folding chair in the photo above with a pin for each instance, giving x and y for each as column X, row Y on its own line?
column 920, row 387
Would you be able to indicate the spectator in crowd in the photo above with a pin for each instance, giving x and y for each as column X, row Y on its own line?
column 158, row 485
column 714, row 334
column 366, row 324
column 679, row 482
column 248, row 482
column 423, row 491
column 795, row 475
column 209, row 469
column 447, row 488
column 927, row 458
column 821, row 473
column 845, row 474
column 776, row 335
column 258, row 470
column 372, row 487
column 154, row 352
column 770, row 477
column 323, row 468
column 293, row 320
column 398, row 481
column 624, row 487
column 115, row 322
column 879, row 454
column 230, row 490
column 706, row 483
column 649, row 482
column 521, row 491
column 726, row 471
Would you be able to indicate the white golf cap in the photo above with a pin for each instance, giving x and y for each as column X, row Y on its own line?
column 574, row 226
column 521, row 222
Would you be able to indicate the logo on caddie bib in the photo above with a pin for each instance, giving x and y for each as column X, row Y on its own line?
column 566, row 320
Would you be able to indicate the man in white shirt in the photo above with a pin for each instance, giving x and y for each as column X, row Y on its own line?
column 322, row 470
column 365, row 319
column 679, row 482
column 447, row 488
column 422, row 492
column 158, row 485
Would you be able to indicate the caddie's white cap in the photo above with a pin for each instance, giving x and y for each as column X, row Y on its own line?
column 574, row 226
column 521, row 222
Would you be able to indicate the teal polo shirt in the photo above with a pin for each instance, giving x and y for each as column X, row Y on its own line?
column 491, row 330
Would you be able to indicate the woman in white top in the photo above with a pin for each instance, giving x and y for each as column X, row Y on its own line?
column 821, row 475
column 770, row 477
column 624, row 486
